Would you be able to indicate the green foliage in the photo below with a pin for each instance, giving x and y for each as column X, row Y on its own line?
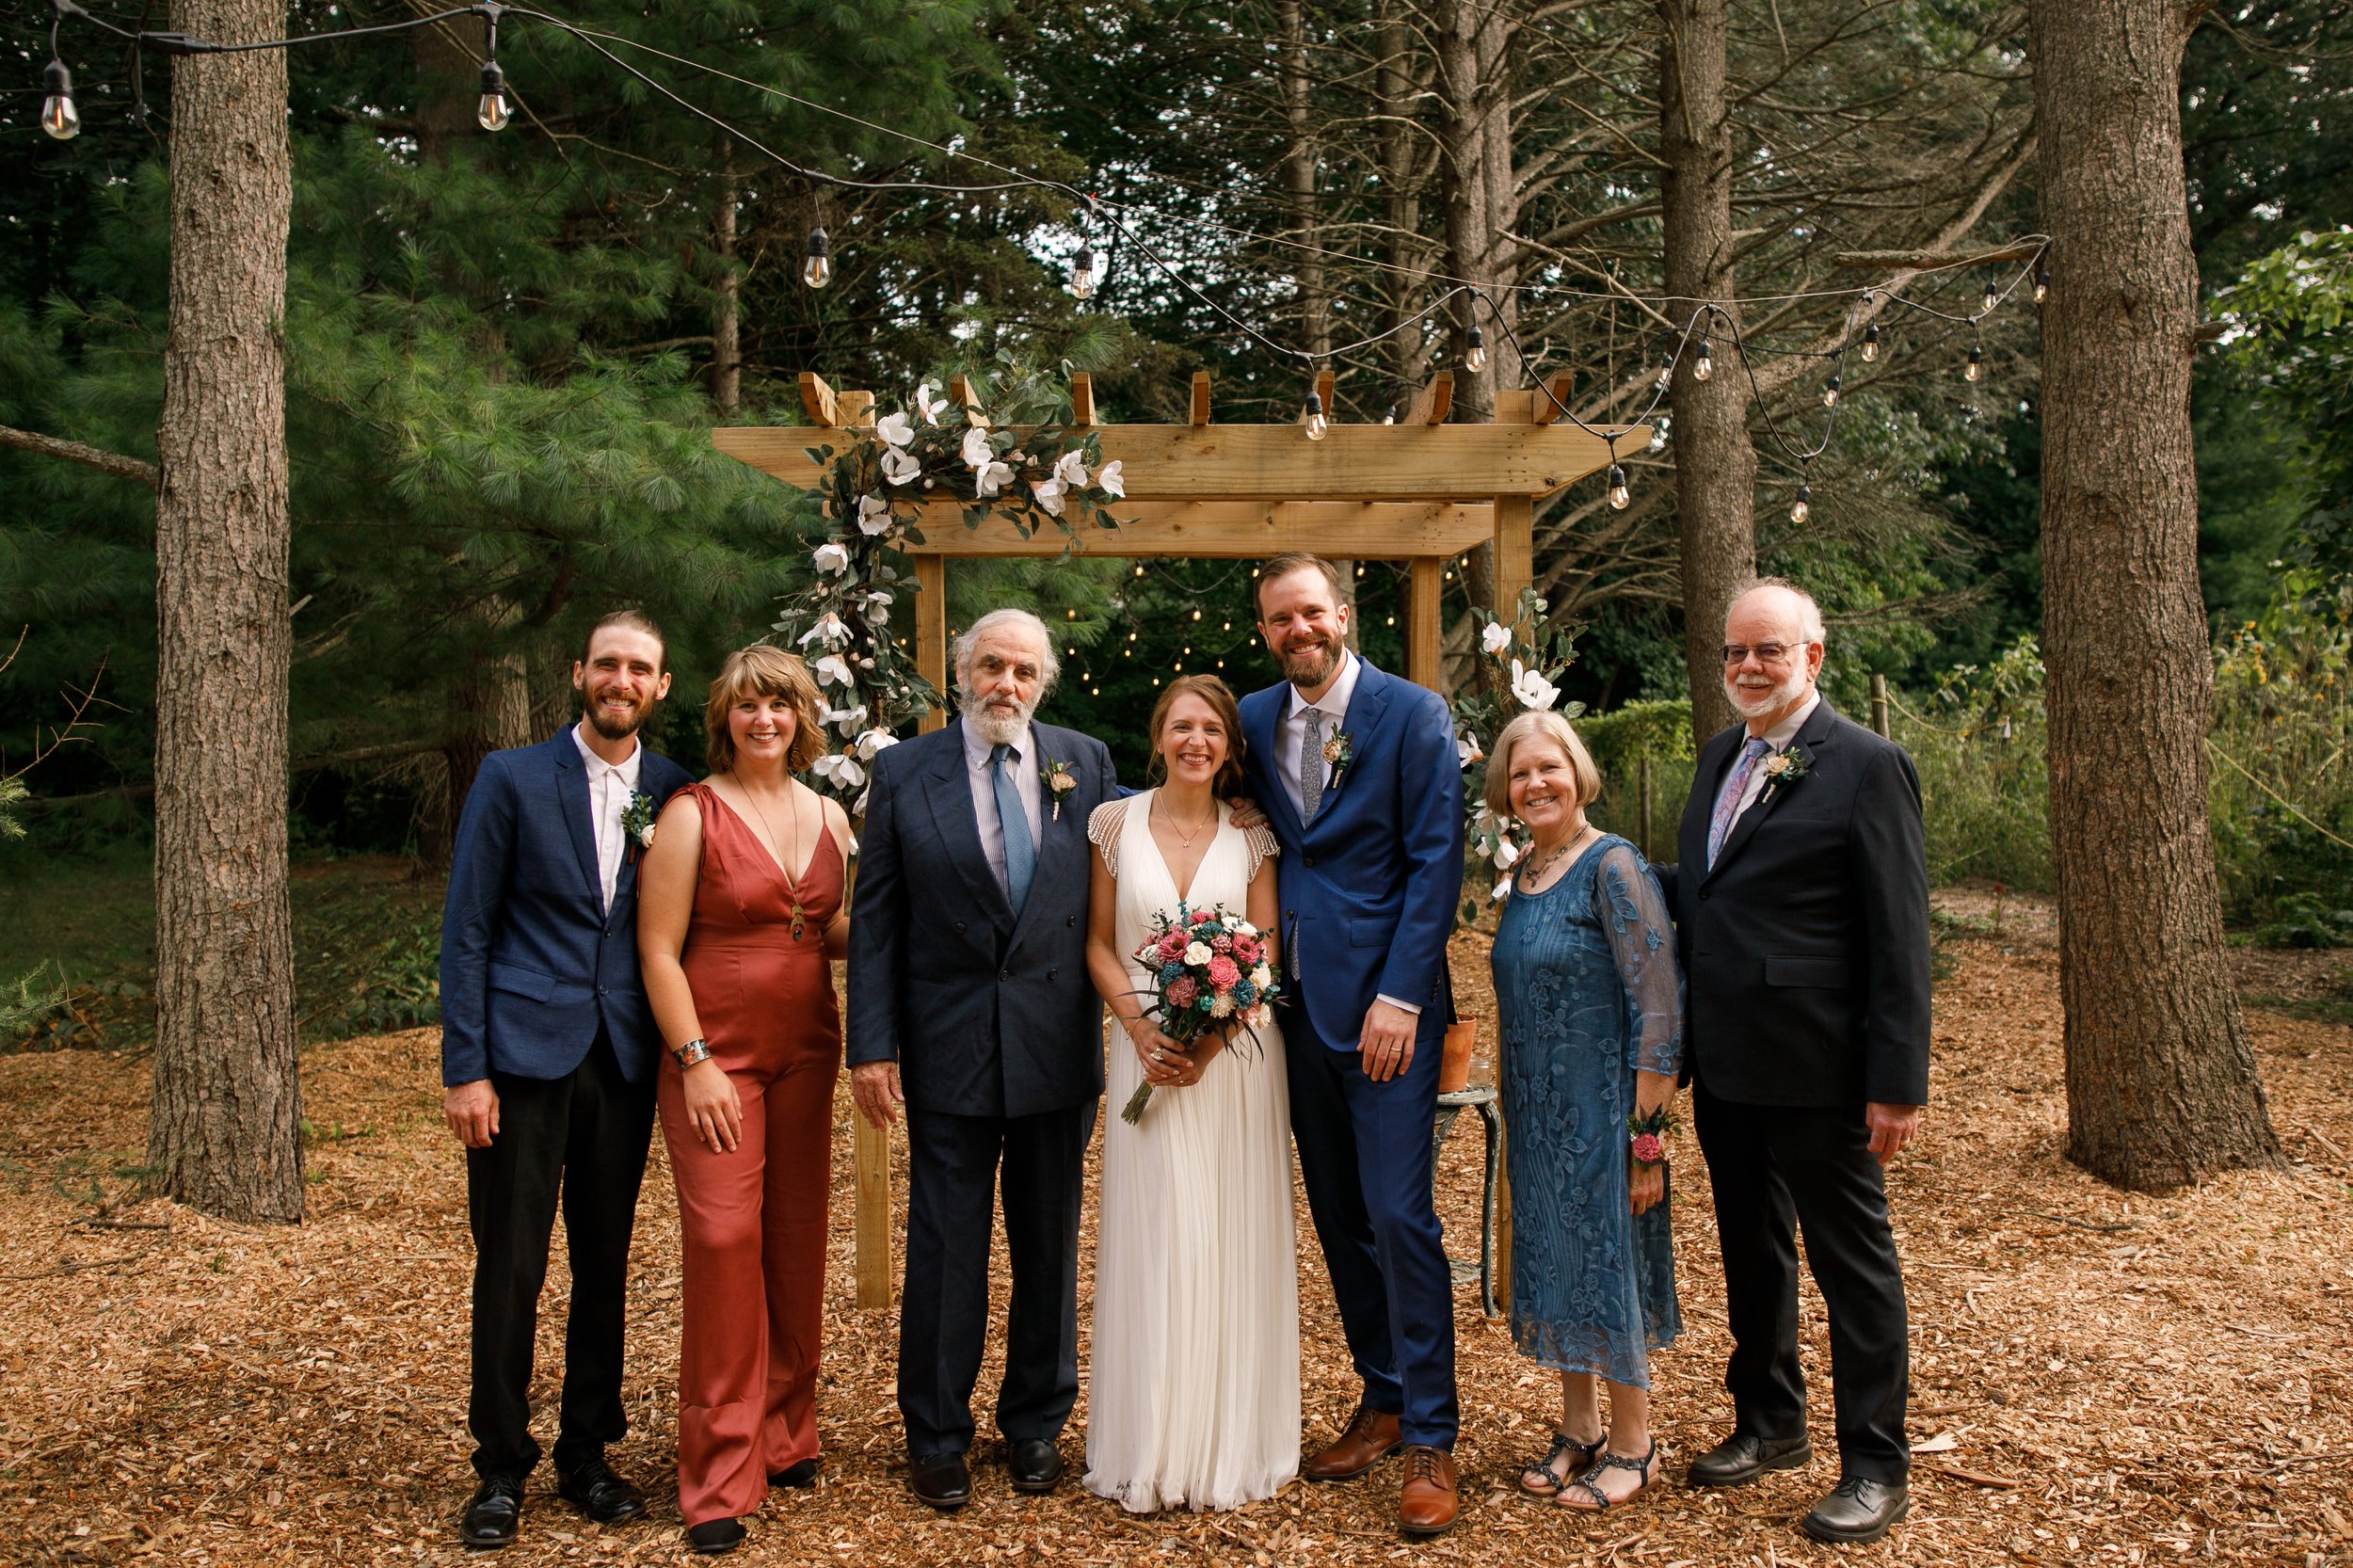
column 1977, row 739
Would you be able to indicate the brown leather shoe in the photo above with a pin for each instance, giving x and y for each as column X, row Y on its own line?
column 1428, row 1504
column 1371, row 1437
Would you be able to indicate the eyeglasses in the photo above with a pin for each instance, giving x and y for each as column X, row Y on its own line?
column 1766, row 653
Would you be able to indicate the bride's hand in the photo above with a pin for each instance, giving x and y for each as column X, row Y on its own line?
column 1166, row 1061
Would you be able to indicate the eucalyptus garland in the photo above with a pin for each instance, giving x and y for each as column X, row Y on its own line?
column 1012, row 454
column 1522, row 663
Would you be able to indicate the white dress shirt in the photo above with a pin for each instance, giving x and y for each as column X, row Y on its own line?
column 1023, row 765
column 610, row 785
column 1777, row 739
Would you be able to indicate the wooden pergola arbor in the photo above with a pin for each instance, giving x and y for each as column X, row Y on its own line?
column 1420, row 491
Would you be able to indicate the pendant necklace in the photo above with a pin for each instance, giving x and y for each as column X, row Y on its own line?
column 1182, row 837
column 1535, row 874
column 799, row 916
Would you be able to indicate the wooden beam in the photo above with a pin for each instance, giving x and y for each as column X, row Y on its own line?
column 1200, row 397
column 817, row 400
column 1425, row 584
column 1923, row 260
column 1324, row 380
column 869, row 1167
column 1081, row 399
column 1418, row 461
column 1433, row 401
column 857, row 410
column 1550, row 400
column 1515, row 551
column 931, row 632
column 1232, row 529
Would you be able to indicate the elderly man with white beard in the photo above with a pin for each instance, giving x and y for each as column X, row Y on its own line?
column 969, row 1005
column 1803, row 922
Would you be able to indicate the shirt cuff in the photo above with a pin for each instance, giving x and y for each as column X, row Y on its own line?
column 1415, row 1008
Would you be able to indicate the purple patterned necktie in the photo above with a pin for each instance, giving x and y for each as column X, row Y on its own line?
column 1728, row 803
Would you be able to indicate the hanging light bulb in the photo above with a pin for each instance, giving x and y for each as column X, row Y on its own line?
column 1830, row 393
column 1619, row 494
column 1475, row 349
column 1976, row 365
column 1870, row 343
column 1318, row 426
column 1705, row 365
column 1082, row 272
column 57, row 115
column 1802, row 507
column 1658, row 433
column 2041, row 283
column 817, row 268
column 1992, row 297
column 1390, row 417
column 490, row 111
column 1667, row 369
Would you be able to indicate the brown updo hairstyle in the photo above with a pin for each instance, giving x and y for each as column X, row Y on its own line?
column 763, row 670
column 1210, row 689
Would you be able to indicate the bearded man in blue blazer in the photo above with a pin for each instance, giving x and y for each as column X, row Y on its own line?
column 1358, row 775
column 548, row 1055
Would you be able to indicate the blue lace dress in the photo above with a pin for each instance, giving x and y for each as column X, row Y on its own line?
column 1587, row 987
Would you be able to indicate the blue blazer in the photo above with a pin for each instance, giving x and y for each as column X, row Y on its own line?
column 1368, row 889
column 986, row 1012
column 532, row 963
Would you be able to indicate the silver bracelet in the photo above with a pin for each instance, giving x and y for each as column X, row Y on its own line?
column 695, row 1050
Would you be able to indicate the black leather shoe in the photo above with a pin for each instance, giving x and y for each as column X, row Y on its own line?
column 715, row 1536
column 1035, row 1464
column 1858, row 1510
column 801, row 1472
column 941, row 1480
column 493, row 1514
column 1744, row 1456
column 593, row 1488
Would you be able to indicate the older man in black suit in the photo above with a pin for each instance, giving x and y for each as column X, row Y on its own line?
column 969, row 1003
column 1802, row 903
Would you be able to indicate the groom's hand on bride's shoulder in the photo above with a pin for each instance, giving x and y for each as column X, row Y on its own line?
column 1246, row 813
column 874, row 1086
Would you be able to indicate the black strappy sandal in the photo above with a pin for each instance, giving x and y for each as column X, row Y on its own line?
column 1543, row 1480
column 1647, row 1467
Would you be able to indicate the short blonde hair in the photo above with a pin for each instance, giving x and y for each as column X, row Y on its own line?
column 1539, row 724
column 763, row 670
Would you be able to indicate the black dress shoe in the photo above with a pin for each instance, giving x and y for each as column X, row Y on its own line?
column 941, row 1480
column 1035, row 1465
column 715, row 1536
column 801, row 1472
column 1744, row 1456
column 596, row 1491
column 493, row 1515
column 1859, row 1510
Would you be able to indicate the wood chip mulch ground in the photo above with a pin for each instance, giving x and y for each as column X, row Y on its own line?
column 2098, row 1378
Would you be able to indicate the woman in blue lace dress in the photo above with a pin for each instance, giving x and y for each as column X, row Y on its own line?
column 1592, row 1010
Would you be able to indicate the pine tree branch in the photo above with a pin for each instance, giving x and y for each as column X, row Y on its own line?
column 74, row 452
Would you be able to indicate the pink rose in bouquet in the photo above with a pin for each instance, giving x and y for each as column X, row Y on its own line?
column 1198, row 967
column 1222, row 973
column 1182, row 992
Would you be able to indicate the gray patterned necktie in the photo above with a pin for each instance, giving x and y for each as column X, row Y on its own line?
column 1311, row 767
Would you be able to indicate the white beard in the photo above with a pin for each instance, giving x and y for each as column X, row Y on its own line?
column 1787, row 692
column 992, row 724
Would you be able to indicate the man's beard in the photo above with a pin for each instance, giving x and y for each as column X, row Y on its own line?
column 1313, row 666
column 612, row 726
column 1782, row 693
column 993, row 724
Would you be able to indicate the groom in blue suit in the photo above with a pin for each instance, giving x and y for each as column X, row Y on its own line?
column 548, row 1055
column 1359, row 777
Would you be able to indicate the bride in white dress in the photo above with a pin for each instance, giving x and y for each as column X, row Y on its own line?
column 1194, row 1384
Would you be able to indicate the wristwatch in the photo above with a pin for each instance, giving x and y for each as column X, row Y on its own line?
column 697, row 1050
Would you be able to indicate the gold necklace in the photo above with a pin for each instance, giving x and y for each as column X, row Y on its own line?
column 799, row 915
column 1182, row 837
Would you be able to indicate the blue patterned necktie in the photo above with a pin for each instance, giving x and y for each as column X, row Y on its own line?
column 1020, row 854
column 1728, row 804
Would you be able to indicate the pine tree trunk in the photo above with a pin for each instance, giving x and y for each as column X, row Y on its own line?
column 726, row 315
column 2161, row 1083
column 225, row 1118
column 1715, row 463
column 1299, row 183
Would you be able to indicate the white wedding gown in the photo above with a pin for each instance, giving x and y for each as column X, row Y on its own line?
column 1193, row 1385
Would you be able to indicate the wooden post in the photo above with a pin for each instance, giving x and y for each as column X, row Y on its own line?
column 1422, row 597
column 1879, row 720
column 1515, row 547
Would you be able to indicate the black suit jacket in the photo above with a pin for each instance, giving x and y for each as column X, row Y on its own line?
column 987, row 1013
column 1805, row 950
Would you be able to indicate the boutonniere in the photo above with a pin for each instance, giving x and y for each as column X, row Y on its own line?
column 637, row 822
column 1061, row 777
column 1338, row 752
column 1785, row 768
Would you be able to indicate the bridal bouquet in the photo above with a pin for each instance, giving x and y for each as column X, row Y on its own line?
column 1208, row 967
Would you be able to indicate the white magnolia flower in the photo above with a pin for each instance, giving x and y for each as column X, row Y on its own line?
column 1532, row 687
column 828, row 628
column 874, row 515
column 976, row 450
column 831, row 558
column 1496, row 637
column 899, row 467
column 1196, row 953
column 873, row 741
column 1243, row 928
column 992, row 477
column 834, row 670
column 644, row 836
column 1071, row 468
column 1467, row 750
column 1110, row 479
column 877, row 607
column 895, row 429
column 929, row 404
column 1507, row 855
column 1502, row 890
column 1049, row 495
column 844, row 719
column 839, row 769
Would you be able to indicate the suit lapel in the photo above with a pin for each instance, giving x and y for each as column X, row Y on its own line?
column 948, row 791
column 572, row 795
column 1260, row 718
column 1812, row 737
column 1061, row 842
column 1366, row 705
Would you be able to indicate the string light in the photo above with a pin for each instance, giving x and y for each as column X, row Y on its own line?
column 57, row 115
column 1197, row 615
column 1829, row 392
column 1475, row 349
column 817, row 267
column 1082, row 272
column 1705, row 365
column 490, row 111
column 1802, row 507
column 1667, row 371
column 1870, row 343
column 1318, row 426
column 2041, row 283
column 1976, row 365
column 1070, row 615
column 1992, row 297
column 1619, row 494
